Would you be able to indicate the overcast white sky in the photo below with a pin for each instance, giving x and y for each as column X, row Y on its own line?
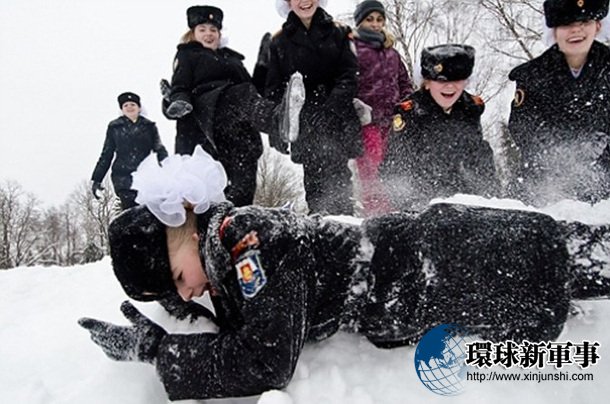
column 63, row 63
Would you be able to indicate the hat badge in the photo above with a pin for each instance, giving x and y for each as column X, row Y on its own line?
column 438, row 68
column 580, row 3
column 211, row 16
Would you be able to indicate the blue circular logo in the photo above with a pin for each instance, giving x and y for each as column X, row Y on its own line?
column 440, row 359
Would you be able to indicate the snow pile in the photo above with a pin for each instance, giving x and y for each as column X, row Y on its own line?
column 45, row 357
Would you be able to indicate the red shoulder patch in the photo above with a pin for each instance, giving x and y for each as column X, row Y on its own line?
column 478, row 100
column 225, row 223
column 406, row 105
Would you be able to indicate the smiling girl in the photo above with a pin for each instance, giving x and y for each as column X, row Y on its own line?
column 559, row 118
column 436, row 146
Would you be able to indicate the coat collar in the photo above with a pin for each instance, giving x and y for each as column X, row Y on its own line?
column 321, row 26
column 213, row 254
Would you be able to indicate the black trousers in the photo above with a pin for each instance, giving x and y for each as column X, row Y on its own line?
column 127, row 198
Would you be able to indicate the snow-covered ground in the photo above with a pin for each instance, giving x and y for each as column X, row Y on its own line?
column 45, row 357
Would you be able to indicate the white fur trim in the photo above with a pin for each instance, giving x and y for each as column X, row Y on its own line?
column 198, row 179
column 283, row 7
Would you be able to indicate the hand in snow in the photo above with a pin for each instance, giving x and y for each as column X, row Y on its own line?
column 178, row 308
column 178, row 109
column 165, row 89
column 133, row 343
column 96, row 186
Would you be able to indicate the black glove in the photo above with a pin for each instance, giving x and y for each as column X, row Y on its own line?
column 96, row 186
column 165, row 89
column 139, row 342
column 178, row 308
column 178, row 109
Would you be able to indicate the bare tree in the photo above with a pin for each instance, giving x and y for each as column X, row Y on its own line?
column 95, row 215
column 19, row 223
column 278, row 183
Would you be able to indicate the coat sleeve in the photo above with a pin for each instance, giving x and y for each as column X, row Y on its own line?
column 103, row 163
column 274, row 84
column 158, row 145
column 259, row 355
column 182, row 79
column 346, row 83
column 405, row 84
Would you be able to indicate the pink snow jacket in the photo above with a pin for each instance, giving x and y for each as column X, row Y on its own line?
column 383, row 79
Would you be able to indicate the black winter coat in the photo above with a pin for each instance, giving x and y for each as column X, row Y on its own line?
column 201, row 77
column 561, row 126
column 502, row 274
column 434, row 154
column 324, row 55
column 128, row 143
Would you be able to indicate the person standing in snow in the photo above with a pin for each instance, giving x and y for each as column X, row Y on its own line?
column 436, row 146
column 216, row 105
column 277, row 279
column 311, row 43
column 559, row 117
column 382, row 82
column 129, row 139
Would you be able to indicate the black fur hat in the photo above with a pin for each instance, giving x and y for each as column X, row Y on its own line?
column 196, row 15
column 565, row 12
column 138, row 247
column 449, row 62
column 128, row 96
column 367, row 7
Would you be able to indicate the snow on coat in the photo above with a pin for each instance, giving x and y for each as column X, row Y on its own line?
column 435, row 154
column 390, row 279
column 561, row 126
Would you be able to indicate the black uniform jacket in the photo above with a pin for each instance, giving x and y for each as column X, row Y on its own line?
column 128, row 143
column 201, row 77
column 436, row 154
column 284, row 279
column 561, row 124
column 325, row 56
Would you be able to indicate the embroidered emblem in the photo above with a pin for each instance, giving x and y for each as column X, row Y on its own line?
column 438, row 68
column 519, row 97
column 250, row 274
column 406, row 105
column 398, row 123
column 580, row 3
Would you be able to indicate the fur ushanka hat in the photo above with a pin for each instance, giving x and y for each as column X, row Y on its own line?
column 449, row 62
column 565, row 12
column 138, row 247
column 128, row 96
column 196, row 15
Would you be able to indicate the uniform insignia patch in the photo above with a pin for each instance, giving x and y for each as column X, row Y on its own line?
column 398, row 123
column 175, row 64
column 580, row 3
column 406, row 105
column 478, row 100
column 249, row 240
column 519, row 97
column 438, row 68
column 250, row 274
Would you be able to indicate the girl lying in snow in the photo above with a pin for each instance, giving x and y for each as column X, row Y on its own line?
column 278, row 279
